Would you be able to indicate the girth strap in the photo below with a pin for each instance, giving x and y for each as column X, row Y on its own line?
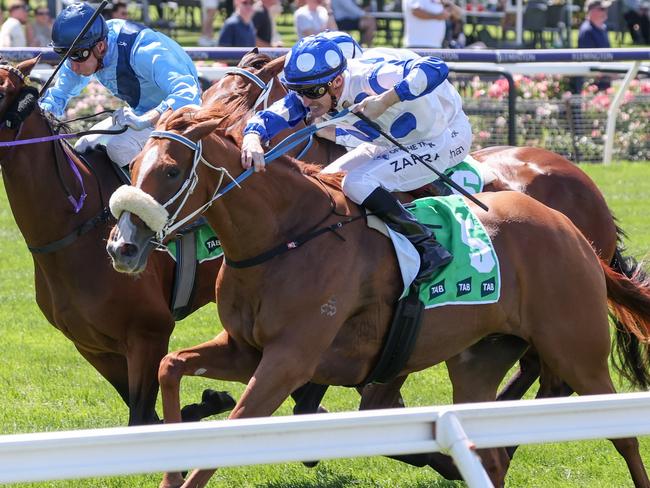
column 400, row 340
column 185, row 275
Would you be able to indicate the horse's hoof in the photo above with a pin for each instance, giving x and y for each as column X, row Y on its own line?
column 191, row 413
column 217, row 401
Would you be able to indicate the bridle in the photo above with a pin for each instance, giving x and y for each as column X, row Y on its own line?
column 189, row 184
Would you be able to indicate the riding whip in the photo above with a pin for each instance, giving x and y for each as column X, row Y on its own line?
column 440, row 175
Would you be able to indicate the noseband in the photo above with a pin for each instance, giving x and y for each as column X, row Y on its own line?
column 155, row 215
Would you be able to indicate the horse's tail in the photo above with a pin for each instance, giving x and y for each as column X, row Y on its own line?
column 626, row 265
column 629, row 302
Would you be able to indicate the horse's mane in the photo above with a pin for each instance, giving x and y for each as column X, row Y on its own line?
column 182, row 120
column 232, row 112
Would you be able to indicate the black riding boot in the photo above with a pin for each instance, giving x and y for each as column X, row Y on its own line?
column 432, row 255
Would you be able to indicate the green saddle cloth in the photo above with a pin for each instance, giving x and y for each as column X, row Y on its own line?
column 473, row 276
column 467, row 175
column 207, row 245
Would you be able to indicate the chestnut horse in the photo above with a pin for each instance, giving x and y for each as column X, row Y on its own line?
column 76, row 287
column 544, row 175
column 333, row 333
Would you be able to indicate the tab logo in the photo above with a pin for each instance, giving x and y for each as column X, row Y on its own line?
column 464, row 287
column 488, row 287
column 437, row 289
column 212, row 244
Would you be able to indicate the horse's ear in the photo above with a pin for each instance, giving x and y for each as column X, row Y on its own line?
column 272, row 68
column 202, row 129
column 26, row 67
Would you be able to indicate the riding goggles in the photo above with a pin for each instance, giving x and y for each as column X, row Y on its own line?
column 313, row 92
column 78, row 55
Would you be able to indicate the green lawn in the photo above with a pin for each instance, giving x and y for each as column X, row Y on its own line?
column 46, row 386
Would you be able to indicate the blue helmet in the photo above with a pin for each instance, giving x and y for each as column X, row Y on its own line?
column 314, row 60
column 348, row 45
column 71, row 21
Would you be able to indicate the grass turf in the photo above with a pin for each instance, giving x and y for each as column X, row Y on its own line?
column 47, row 386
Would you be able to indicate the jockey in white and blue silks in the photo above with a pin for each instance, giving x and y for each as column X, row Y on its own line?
column 144, row 68
column 407, row 95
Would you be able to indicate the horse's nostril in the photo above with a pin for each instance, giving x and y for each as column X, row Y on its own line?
column 128, row 250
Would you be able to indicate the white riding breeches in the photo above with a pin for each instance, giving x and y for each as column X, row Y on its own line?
column 121, row 148
column 369, row 166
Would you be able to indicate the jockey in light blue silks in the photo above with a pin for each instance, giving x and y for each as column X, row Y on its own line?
column 142, row 67
column 407, row 95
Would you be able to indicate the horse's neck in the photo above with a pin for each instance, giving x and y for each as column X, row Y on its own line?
column 269, row 209
column 37, row 197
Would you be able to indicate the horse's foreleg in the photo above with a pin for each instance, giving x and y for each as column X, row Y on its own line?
column 111, row 366
column 277, row 375
column 221, row 358
column 144, row 354
column 386, row 395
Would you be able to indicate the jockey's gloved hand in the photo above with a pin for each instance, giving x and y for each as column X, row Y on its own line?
column 126, row 117
column 374, row 106
column 252, row 152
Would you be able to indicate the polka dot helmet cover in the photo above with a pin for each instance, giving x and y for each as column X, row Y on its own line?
column 314, row 60
column 348, row 45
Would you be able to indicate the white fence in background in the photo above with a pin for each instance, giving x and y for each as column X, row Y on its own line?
column 456, row 430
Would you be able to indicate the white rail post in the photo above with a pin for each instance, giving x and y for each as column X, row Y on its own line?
column 453, row 440
column 613, row 111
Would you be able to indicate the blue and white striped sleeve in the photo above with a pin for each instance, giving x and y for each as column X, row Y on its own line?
column 422, row 76
column 284, row 113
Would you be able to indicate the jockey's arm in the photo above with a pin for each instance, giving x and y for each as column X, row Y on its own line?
column 154, row 61
column 285, row 113
column 67, row 85
column 421, row 77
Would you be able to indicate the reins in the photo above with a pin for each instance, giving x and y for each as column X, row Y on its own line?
column 76, row 202
column 57, row 137
column 191, row 181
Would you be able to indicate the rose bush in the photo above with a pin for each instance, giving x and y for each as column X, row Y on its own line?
column 548, row 115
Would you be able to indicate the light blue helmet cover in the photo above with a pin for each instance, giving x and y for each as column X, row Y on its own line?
column 70, row 22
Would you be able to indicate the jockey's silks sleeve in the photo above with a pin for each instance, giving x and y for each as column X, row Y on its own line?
column 164, row 68
column 68, row 84
column 428, row 102
column 421, row 77
column 286, row 112
column 164, row 76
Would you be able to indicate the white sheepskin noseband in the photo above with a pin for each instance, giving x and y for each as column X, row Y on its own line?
column 131, row 199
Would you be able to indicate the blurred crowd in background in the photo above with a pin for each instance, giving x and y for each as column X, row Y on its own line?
column 399, row 23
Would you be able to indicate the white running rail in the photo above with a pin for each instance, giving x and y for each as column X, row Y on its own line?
column 454, row 429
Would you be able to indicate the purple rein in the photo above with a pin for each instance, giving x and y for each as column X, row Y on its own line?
column 77, row 204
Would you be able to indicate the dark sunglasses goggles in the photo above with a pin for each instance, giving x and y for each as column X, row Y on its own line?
column 78, row 55
column 313, row 92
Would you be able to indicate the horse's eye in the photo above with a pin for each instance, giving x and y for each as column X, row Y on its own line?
column 173, row 172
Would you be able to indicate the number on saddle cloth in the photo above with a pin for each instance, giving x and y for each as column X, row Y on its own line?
column 474, row 274
column 467, row 174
